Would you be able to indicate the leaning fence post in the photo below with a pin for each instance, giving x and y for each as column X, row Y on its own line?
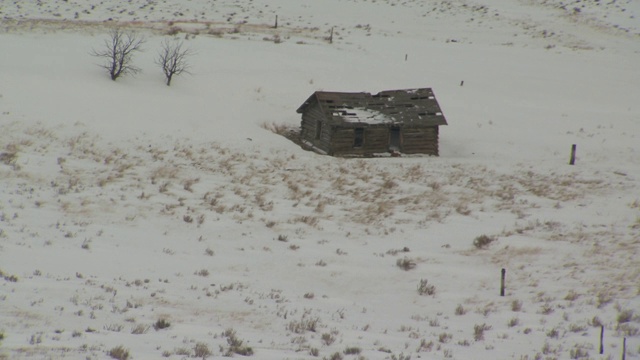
column 572, row 161
column 601, row 339
column 331, row 36
column 503, row 274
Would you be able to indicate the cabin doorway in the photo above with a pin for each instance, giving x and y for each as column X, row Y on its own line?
column 394, row 139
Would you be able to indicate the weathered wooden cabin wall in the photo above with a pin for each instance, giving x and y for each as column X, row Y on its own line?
column 376, row 140
column 414, row 140
column 420, row 140
column 310, row 120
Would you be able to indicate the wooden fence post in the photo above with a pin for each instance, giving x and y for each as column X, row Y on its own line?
column 503, row 274
column 276, row 25
column 624, row 348
column 331, row 36
column 572, row 161
column 601, row 339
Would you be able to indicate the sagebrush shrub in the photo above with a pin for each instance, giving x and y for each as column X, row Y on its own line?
column 483, row 241
column 201, row 350
column 202, row 272
column 478, row 331
column 182, row 351
column 235, row 344
column 10, row 156
column 406, row 264
column 571, row 296
column 161, row 324
column 119, row 353
column 624, row 316
column 305, row 324
column 425, row 346
column 425, row 289
column 516, row 305
column 578, row 353
column 352, row 350
column 444, row 337
column 575, row 328
column 327, row 339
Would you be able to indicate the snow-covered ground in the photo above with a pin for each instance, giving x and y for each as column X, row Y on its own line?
column 127, row 206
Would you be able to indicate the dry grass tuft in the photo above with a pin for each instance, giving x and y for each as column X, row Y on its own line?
column 483, row 241
column 516, row 305
column 119, row 353
column 478, row 331
column 10, row 155
column 425, row 289
column 406, row 264
column 303, row 325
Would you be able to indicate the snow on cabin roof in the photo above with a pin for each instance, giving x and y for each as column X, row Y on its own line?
column 365, row 115
column 408, row 106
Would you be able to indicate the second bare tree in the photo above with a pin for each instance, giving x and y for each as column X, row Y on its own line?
column 173, row 59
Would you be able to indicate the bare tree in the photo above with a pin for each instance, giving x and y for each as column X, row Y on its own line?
column 173, row 59
column 118, row 53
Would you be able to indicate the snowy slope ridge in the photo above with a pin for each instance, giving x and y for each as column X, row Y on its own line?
column 144, row 221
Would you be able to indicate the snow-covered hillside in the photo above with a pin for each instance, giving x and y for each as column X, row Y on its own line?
column 151, row 221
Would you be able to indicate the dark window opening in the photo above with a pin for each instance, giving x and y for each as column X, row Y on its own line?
column 358, row 137
column 395, row 140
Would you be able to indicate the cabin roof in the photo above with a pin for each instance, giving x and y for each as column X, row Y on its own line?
column 408, row 106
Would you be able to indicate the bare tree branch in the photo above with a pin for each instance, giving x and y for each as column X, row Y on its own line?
column 118, row 53
column 172, row 59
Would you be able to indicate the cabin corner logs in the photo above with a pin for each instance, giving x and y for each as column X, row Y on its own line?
column 361, row 124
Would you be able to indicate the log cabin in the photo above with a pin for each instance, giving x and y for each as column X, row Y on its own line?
column 364, row 125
